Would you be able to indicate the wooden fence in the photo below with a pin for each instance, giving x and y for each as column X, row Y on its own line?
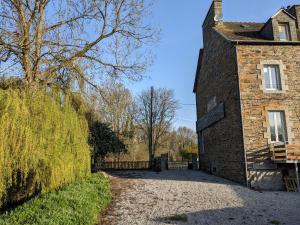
column 177, row 165
column 137, row 165
column 123, row 165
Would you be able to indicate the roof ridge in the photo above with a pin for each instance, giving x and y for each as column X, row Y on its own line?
column 285, row 11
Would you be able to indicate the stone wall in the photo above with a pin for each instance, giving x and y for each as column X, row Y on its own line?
column 223, row 152
column 255, row 102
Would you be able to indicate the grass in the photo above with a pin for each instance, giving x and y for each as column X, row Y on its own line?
column 276, row 222
column 79, row 203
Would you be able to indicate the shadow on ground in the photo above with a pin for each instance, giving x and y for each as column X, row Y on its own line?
column 169, row 175
column 229, row 216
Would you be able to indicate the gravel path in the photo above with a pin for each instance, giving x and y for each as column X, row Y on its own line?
column 193, row 197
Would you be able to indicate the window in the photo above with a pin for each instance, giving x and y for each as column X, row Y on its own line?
column 272, row 78
column 277, row 125
column 284, row 32
column 201, row 142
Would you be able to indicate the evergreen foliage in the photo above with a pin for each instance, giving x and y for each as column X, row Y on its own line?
column 104, row 140
column 43, row 143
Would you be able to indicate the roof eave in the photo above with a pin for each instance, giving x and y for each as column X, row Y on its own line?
column 258, row 42
column 286, row 12
column 263, row 42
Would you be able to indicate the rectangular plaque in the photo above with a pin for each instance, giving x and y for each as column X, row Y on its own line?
column 213, row 116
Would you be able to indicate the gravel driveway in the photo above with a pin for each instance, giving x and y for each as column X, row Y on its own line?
column 193, row 197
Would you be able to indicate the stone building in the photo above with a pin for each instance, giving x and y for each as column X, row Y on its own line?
column 247, row 89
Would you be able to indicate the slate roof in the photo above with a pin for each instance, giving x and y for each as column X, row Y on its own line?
column 243, row 31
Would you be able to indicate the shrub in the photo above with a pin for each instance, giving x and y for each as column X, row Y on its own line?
column 77, row 204
column 104, row 140
column 43, row 143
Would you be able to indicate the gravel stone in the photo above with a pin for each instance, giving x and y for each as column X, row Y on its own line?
column 194, row 197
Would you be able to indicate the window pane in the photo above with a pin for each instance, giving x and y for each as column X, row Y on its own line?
column 272, row 126
column 267, row 78
column 281, row 28
column 281, row 127
column 284, row 32
column 275, row 78
column 272, row 77
column 278, row 80
column 277, row 126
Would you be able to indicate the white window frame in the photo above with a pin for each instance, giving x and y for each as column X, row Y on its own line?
column 287, row 31
column 283, row 117
column 277, row 78
column 283, row 77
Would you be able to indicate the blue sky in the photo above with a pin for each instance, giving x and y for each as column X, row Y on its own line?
column 181, row 38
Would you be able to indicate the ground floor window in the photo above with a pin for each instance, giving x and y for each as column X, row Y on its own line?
column 201, row 142
column 277, row 124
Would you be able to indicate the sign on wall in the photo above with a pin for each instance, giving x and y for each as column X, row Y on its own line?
column 213, row 116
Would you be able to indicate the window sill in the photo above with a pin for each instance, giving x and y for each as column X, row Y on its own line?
column 274, row 91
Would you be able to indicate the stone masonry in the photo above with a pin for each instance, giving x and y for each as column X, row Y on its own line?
column 223, row 142
column 230, row 72
column 255, row 102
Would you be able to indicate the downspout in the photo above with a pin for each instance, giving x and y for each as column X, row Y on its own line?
column 297, row 176
column 241, row 109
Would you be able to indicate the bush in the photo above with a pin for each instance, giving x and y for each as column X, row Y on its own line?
column 104, row 140
column 43, row 143
column 77, row 204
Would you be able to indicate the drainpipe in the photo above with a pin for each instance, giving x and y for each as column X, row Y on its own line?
column 297, row 176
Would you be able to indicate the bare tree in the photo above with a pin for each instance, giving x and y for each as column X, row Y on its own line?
column 186, row 137
column 49, row 40
column 115, row 108
column 164, row 107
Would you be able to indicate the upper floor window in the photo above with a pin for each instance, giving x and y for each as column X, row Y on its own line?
column 284, row 32
column 272, row 78
column 277, row 125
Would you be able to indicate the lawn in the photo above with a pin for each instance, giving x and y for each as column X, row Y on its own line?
column 79, row 203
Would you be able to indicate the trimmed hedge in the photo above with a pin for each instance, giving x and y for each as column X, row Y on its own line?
column 78, row 204
column 43, row 143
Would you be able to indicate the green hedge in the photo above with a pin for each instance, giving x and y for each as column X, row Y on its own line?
column 43, row 143
column 77, row 204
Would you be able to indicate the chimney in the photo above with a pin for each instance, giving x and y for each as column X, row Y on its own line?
column 218, row 11
column 295, row 11
column 214, row 15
